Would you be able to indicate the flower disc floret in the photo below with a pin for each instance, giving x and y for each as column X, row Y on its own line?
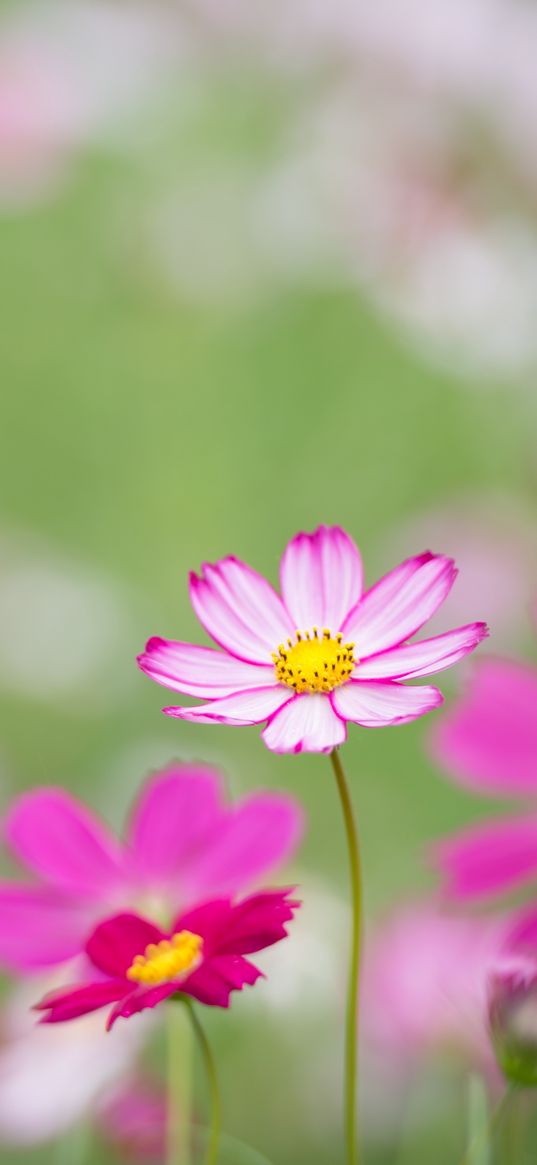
column 315, row 663
column 167, row 960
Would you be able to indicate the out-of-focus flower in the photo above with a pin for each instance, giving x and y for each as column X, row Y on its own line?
column 182, row 843
column 425, row 985
column 135, row 965
column 61, row 88
column 488, row 740
column 52, row 1077
column 512, row 1002
column 490, row 536
column 345, row 662
column 133, row 1118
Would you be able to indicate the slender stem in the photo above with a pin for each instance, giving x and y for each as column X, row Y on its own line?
column 214, row 1091
column 179, row 1099
column 482, row 1143
column 353, row 990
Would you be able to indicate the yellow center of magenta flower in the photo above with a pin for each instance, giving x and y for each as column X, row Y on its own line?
column 167, row 960
column 315, row 663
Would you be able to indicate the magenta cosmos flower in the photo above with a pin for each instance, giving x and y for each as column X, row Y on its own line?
column 320, row 655
column 134, row 964
column 182, row 844
column 488, row 741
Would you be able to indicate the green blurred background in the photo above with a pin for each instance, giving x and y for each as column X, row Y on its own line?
column 145, row 429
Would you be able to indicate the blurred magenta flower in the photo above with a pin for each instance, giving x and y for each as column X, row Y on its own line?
column 182, row 844
column 323, row 654
column 512, row 1009
column 134, row 964
column 134, row 1120
column 425, row 984
column 488, row 740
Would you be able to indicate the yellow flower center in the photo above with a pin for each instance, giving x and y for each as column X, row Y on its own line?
column 169, row 959
column 315, row 663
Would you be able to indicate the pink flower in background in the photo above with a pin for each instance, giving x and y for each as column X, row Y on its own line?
column 322, row 654
column 53, row 1077
column 425, row 985
column 488, row 741
column 134, row 1120
column 182, row 844
column 135, row 965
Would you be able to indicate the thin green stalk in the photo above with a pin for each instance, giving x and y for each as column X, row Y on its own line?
column 353, row 990
column 482, row 1143
column 214, row 1091
column 179, row 1098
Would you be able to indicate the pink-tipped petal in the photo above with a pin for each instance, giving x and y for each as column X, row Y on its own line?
column 178, row 810
column 240, row 610
column 321, row 578
column 200, row 671
column 489, row 859
column 216, row 978
column 243, row 708
column 258, row 922
column 425, row 658
column 376, row 705
column 59, row 839
column 114, row 943
column 141, row 999
column 396, row 607
column 39, row 928
column 250, row 842
column 305, row 724
column 488, row 739
column 81, row 999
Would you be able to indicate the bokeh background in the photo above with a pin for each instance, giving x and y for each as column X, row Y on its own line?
column 263, row 265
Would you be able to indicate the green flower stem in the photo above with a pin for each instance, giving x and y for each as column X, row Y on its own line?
column 353, row 990
column 179, row 1090
column 214, row 1091
column 481, row 1140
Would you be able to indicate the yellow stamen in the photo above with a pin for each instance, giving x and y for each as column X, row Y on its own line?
column 167, row 960
column 315, row 663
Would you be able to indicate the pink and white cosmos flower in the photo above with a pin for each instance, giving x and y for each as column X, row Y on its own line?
column 182, row 844
column 322, row 654
column 134, row 964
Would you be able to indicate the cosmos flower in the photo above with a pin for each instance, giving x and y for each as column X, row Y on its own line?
column 488, row 740
column 182, row 844
column 134, row 964
column 320, row 655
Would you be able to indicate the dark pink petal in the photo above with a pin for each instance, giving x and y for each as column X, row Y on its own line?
column 425, row 658
column 321, row 578
column 488, row 739
column 397, row 606
column 178, row 810
column 141, row 999
column 522, row 933
column 200, row 671
column 39, row 927
column 243, row 708
column 213, row 982
column 240, row 610
column 489, row 859
column 376, row 705
column 80, row 999
column 305, row 724
column 258, row 922
column 114, row 943
column 62, row 842
column 210, row 920
column 250, row 841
